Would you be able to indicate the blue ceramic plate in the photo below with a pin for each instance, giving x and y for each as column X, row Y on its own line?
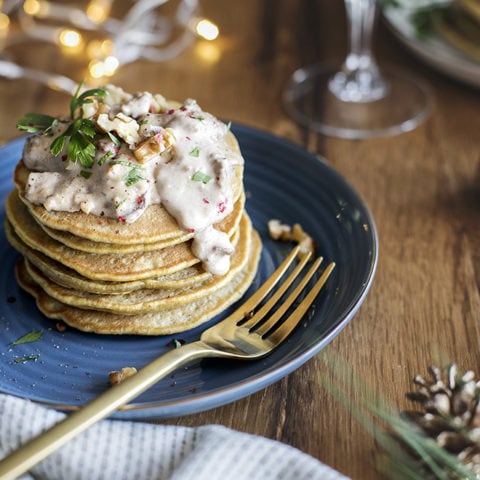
column 282, row 181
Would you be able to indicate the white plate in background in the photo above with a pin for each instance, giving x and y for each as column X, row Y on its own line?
column 433, row 49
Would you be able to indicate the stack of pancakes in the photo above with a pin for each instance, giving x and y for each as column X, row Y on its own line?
column 99, row 275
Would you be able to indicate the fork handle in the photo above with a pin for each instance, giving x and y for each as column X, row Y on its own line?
column 38, row 448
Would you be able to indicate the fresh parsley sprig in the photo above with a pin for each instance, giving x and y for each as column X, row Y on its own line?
column 37, row 122
column 79, row 148
column 79, row 133
column 80, row 99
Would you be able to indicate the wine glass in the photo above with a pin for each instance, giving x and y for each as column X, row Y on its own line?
column 357, row 100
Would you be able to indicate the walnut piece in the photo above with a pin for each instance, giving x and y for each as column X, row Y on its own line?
column 117, row 377
column 286, row 233
column 125, row 127
column 155, row 145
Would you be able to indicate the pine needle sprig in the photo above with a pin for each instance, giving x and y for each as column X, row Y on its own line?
column 408, row 451
column 424, row 451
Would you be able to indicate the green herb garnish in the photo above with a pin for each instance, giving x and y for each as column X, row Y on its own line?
column 80, row 99
column 134, row 175
column 104, row 158
column 119, row 204
column 37, row 122
column 77, row 137
column 79, row 147
column 27, row 358
column 195, row 152
column 201, row 177
column 114, row 139
column 30, row 337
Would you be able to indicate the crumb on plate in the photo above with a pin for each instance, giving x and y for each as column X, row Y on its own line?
column 117, row 376
column 285, row 233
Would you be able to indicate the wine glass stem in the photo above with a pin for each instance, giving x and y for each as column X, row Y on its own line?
column 359, row 79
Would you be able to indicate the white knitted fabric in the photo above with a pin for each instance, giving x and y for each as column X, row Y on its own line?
column 122, row 450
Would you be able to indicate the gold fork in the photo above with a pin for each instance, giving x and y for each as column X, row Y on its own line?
column 242, row 335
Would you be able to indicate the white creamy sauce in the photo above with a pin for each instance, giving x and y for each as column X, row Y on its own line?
column 175, row 157
column 214, row 249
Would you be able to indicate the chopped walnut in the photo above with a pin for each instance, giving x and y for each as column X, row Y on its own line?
column 138, row 105
column 89, row 110
column 93, row 109
column 285, row 233
column 155, row 145
column 279, row 231
column 117, row 377
column 125, row 127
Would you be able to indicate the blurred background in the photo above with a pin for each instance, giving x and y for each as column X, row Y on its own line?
column 171, row 47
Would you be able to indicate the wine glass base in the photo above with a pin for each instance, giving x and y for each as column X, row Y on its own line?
column 310, row 102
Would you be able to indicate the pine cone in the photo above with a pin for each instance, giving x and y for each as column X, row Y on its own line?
column 451, row 412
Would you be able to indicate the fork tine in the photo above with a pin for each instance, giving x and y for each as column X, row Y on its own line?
column 287, row 303
column 260, row 314
column 241, row 312
column 278, row 335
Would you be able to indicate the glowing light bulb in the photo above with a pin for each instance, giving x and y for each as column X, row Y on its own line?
column 94, row 48
column 96, row 68
column 207, row 29
column 107, row 47
column 70, row 38
column 39, row 8
column 31, row 7
column 97, row 11
column 110, row 65
column 208, row 52
column 4, row 22
column 97, row 48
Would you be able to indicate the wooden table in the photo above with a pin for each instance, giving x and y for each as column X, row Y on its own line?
column 422, row 188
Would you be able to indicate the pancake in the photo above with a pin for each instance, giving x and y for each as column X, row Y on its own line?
column 69, row 278
column 110, row 267
column 164, row 322
column 228, row 225
column 147, row 300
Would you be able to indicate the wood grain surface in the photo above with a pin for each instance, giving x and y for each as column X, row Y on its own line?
column 422, row 188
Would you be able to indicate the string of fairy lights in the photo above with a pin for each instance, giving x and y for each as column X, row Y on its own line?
column 89, row 30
